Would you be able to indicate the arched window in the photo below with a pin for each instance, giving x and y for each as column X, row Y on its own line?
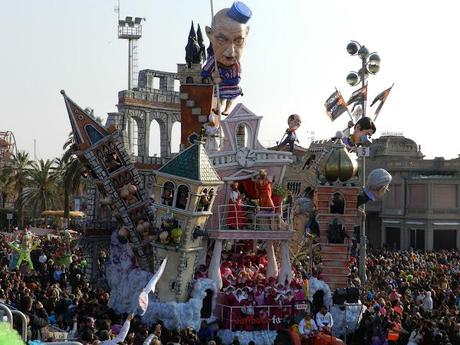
column 154, row 139
column 93, row 134
column 337, row 204
column 205, row 80
column 182, row 197
column 242, row 135
column 176, row 137
column 167, row 196
column 189, row 80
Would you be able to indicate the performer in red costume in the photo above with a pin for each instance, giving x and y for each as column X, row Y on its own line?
column 264, row 190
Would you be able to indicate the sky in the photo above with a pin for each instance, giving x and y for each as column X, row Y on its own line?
column 294, row 57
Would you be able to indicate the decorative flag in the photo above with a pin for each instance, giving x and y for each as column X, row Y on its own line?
column 150, row 287
column 382, row 97
column 335, row 105
column 359, row 96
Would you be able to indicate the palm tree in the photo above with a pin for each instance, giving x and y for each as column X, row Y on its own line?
column 72, row 173
column 41, row 192
column 6, row 184
column 68, row 175
column 20, row 168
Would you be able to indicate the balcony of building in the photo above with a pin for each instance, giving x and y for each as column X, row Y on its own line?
column 248, row 222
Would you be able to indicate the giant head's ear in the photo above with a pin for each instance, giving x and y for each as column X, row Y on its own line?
column 247, row 30
column 208, row 32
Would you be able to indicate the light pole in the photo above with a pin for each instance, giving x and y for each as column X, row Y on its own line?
column 370, row 64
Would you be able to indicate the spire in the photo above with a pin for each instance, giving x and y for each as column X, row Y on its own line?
column 192, row 33
column 192, row 49
column 86, row 131
column 201, row 44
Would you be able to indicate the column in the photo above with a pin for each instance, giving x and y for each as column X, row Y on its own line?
column 429, row 235
column 214, row 266
column 141, row 136
column 272, row 268
column 285, row 267
column 148, row 122
column 165, row 136
column 458, row 239
column 383, row 234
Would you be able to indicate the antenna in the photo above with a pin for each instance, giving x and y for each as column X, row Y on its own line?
column 117, row 9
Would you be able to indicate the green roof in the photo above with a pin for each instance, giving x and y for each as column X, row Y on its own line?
column 193, row 163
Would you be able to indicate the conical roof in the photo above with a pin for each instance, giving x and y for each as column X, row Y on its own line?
column 86, row 130
column 193, row 164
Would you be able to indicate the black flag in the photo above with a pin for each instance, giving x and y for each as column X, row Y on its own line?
column 382, row 97
column 359, row 96
column 335, row 105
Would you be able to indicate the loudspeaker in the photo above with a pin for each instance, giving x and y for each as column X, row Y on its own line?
column 340, row 296
column 352, row 295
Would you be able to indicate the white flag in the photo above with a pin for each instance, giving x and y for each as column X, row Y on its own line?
column 150, row 287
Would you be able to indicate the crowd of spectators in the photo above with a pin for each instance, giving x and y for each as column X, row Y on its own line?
column 56, row 297
column 412, row 298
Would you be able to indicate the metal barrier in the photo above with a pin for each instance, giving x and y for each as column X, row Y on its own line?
column 23, row 323
column 9, row 315
column 63, row 343
column 10, row 311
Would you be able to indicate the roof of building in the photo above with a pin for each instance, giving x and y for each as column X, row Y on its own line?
column 193, row 163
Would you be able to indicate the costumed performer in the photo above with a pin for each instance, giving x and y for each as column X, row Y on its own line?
column 264, row 190
column 26, row 246
column 212, row 133
column 227, row 35
column 236, row 218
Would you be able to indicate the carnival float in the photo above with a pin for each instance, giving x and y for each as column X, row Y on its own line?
column 246, row 239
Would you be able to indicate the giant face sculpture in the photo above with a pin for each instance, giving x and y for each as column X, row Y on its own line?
column 228, row 36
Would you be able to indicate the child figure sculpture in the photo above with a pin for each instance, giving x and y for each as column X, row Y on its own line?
column 294, row 122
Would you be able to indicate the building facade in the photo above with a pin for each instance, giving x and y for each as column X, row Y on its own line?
column 421, row 210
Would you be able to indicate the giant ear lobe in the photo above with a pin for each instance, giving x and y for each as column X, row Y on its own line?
column 247, row 30
column 208, row 32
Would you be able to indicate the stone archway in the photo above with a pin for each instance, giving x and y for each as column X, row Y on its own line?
column 143, row 119
column 154, row 139
column 176, row 137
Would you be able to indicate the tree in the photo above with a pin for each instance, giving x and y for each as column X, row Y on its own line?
column 68, row 175
column 6, row 184
column 41, row 192
column 20, row 168
column 72, row 170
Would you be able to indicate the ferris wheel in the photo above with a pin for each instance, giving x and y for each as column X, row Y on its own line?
column 7, row 145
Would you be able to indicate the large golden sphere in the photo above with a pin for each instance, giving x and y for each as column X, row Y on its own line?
column 339, row 163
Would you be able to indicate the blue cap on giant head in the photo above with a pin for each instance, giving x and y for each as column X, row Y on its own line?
column 240, row 12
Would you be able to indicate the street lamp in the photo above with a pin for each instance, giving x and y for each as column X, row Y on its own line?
column 370, row 64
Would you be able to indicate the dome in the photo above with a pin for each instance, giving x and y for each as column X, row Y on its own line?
column 339, row 163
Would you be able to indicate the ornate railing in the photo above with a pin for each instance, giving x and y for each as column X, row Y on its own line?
column 258, row 317
column 249, row 217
